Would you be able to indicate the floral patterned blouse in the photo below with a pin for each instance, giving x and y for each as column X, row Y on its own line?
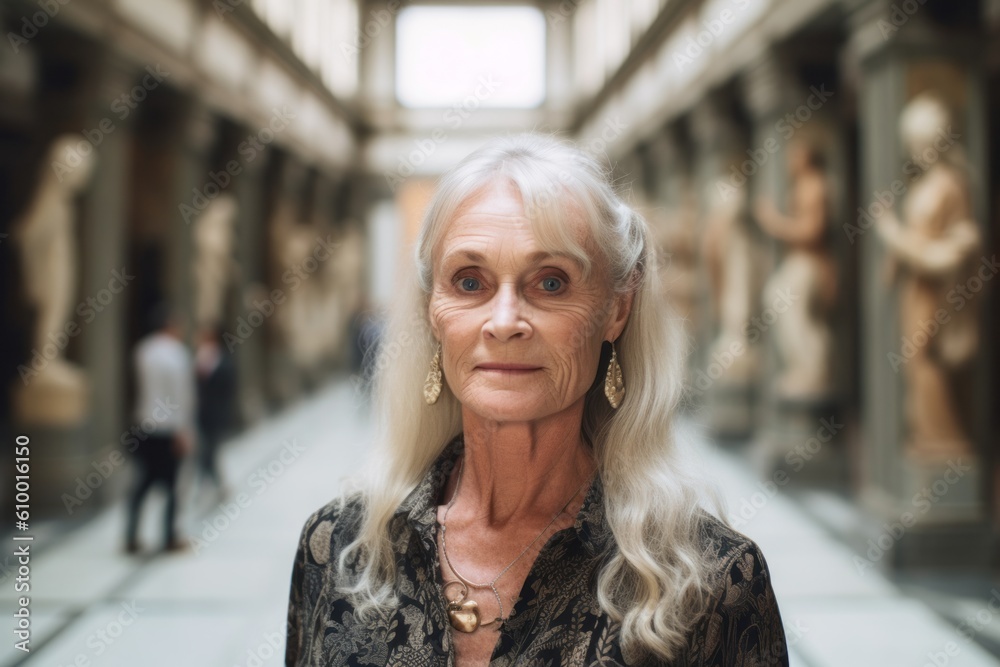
column 556, row 620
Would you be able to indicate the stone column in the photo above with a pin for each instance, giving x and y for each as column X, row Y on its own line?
column 197, row 134
column 284, row 378
column 796, row 434
column 249, row 188
column 69, row 472
column 726, row 360
column 377, row 67
column 926, row 512
column 323, row 218
column 673, row 222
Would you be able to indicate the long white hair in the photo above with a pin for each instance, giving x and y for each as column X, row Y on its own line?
column 659, row 578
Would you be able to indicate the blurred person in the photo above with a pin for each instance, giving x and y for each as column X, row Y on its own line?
column 216, row 379
column 528, row 499
column 166, row 394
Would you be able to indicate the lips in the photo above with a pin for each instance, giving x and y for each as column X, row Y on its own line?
column 507, row 367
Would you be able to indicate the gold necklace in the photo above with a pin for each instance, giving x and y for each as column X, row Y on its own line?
column 464, row 613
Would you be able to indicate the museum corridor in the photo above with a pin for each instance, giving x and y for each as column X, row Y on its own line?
column 207, row 208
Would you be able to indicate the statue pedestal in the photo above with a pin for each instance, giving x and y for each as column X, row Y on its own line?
column 51, row 410
column 285, row 381
column 804, row 439
column 935, row 521
column 730, row 412
column 56, row 396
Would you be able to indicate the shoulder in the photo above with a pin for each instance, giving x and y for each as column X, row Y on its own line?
column 743, row 624
column 329, row 528
column 325, row 532
column 722, row 541
column 741, row 568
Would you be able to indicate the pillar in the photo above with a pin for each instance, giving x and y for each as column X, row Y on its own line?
column 926, row 513
column 796, row 435
column 251, row 240
column 726, row 361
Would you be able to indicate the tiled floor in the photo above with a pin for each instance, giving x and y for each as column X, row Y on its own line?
column 224, row 605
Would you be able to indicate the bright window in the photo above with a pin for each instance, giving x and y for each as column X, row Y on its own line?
column 490, row 56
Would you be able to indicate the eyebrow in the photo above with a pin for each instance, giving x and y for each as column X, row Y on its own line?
column 534, row 257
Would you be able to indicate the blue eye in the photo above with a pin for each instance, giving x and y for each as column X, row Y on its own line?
column 547, row 284
column 465, row 284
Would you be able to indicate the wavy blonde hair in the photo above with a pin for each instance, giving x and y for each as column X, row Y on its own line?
column 658, row 579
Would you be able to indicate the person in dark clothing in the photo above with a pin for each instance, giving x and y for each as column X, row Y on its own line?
column 216, row 380
column 164, row 409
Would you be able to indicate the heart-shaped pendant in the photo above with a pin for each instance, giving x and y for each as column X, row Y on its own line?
column 465, row 616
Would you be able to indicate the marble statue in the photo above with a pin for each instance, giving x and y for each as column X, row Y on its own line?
column 45, row 238
column 930, row 252
column 323, row 289
column 727, row 251
column 213, row 260
column 807, row 271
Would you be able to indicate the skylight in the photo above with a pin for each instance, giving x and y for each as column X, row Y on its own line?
column 457, row 55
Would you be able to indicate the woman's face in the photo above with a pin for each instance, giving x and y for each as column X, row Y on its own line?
column 498, row 298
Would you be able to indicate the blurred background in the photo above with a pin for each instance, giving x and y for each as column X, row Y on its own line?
column 203, row 206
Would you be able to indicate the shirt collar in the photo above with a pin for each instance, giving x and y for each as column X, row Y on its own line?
column 419, row 508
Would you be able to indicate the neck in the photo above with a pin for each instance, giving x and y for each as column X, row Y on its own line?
column 522, row 472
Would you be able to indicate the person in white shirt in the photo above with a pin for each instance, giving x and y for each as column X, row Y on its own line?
column 165, row 398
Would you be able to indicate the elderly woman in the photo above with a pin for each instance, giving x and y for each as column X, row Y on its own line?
column 528, row 502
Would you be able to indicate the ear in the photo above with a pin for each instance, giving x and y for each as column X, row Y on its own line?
column 622, row 309
column 432, row 322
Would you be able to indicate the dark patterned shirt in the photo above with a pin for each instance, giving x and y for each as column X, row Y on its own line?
column 555, row 621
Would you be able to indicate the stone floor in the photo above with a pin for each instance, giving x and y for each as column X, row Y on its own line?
column 223, row 604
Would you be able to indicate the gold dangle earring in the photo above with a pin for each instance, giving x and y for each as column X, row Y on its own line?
column 432, row 385
column 614, row 386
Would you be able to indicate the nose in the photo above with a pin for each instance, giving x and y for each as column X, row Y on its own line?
column 507, row 315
